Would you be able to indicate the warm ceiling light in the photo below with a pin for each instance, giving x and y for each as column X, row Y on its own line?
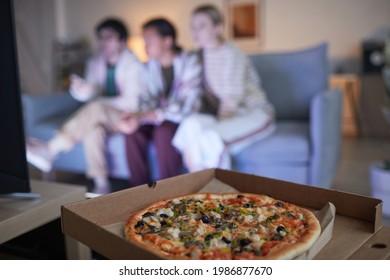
column 137, row 45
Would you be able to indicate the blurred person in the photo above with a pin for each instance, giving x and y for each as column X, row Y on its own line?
column 235, row 110
column 172, row 87
column 111, row 87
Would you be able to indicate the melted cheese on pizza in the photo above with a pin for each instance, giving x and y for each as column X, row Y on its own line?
column 235, row 227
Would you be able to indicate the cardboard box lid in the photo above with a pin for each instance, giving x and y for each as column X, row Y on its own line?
column 357, row 217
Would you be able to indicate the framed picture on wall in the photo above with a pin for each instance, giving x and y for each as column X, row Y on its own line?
column 244, row 20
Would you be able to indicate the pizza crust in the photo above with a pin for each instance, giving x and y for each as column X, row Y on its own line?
column 305, row 243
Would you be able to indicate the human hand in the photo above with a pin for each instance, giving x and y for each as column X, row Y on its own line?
column 128, row 123
column 148, row 117
column 76, row 82
column 79, row 88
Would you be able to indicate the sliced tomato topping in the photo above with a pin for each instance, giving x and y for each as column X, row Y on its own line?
column 292, row 223
column 217, row 255
column 163, row 243
column 232, row 201
column 268, row 246
column 245, row 256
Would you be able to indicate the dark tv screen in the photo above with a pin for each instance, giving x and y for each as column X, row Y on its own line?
column 14, row 176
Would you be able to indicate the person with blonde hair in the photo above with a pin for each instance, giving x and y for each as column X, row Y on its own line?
column 235, row 109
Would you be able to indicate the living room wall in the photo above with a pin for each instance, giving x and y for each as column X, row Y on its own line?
column 286, row 24
column 35, row 33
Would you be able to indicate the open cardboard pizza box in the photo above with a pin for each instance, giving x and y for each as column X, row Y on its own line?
column 355, row 232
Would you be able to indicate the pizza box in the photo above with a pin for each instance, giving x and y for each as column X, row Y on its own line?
column 357, row 229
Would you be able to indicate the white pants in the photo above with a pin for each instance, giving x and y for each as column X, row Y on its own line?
column 206, row 142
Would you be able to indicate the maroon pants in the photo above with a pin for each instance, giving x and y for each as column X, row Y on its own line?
column 168, row 159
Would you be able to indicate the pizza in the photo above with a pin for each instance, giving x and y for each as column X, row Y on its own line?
column 223, row 226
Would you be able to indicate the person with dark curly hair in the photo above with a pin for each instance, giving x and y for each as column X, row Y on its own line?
column 110, row 87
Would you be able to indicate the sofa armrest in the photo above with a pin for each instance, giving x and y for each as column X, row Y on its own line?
column 38, row 108
column 325, row 136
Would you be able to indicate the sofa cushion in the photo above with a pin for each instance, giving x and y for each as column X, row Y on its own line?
column 116, row 156
column 45, row 129
column 289, row 144
column 290, row 80
column 40, row 108
column 293, row 173
column 72, row 161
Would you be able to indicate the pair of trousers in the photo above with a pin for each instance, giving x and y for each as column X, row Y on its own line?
column 168, row 159
column 208, row 142
column 90, row 125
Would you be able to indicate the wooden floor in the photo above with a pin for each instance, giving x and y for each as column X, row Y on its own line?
column 356, row 158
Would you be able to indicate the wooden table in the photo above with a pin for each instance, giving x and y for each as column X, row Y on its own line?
column 350, row 87
column 20, row 216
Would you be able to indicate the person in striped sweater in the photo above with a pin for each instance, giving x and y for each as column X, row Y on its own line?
column 236, row 111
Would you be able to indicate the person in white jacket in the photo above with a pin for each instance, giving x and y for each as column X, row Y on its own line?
column 110, row 88
column 172, row 79
column 237, row 112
